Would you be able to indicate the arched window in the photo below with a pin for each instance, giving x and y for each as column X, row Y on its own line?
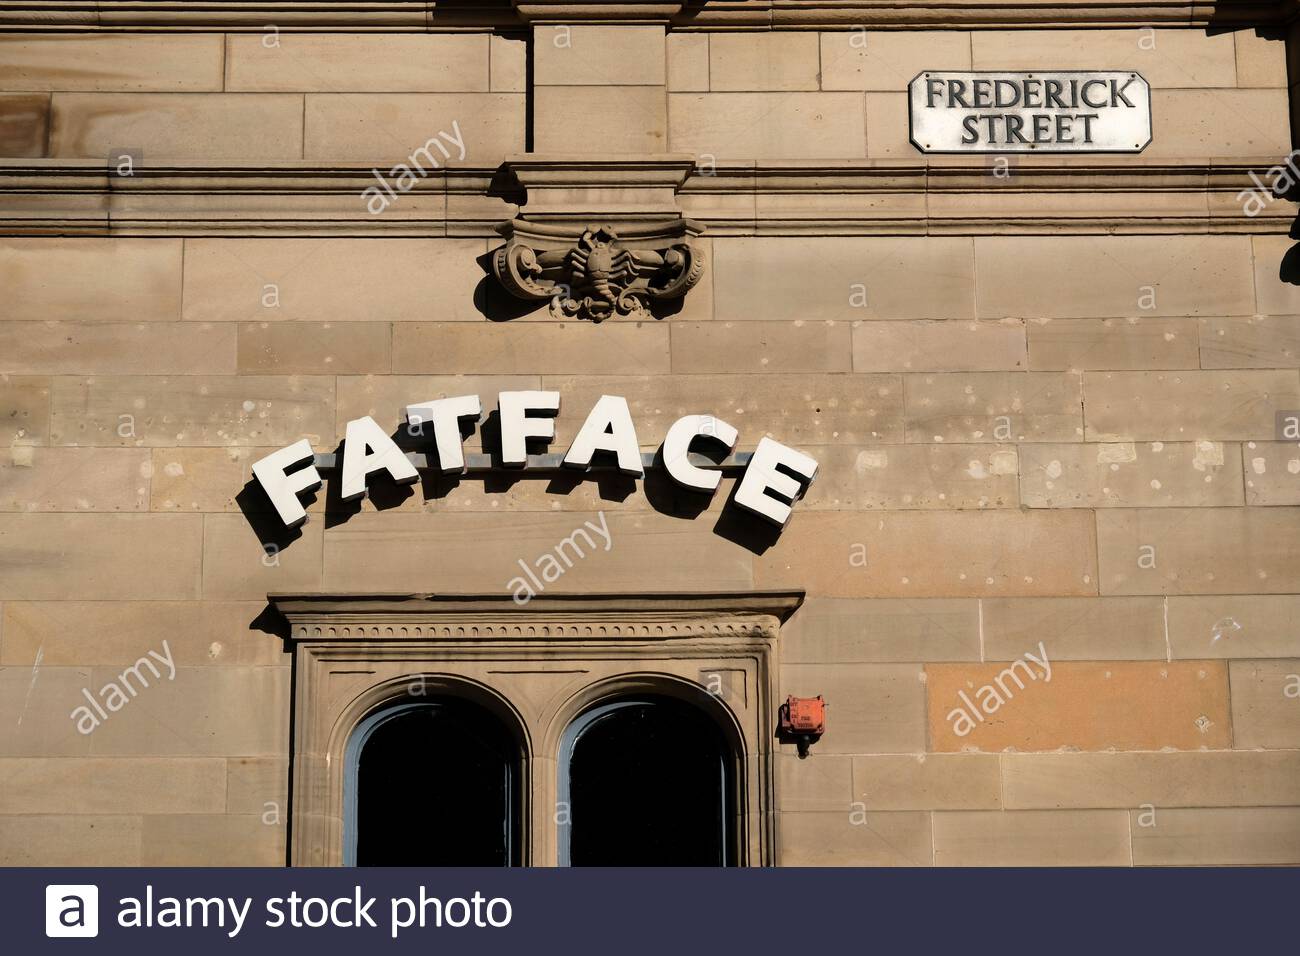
column 647, row 781
column 435, row 783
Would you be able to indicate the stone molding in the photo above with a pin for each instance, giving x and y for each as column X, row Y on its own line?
column 537, row 666
column 954, row 196
column 406, row 16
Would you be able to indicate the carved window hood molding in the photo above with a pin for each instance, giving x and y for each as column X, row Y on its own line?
column 599, row 237
column 344, row 618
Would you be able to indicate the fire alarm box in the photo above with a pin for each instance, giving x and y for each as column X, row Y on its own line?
column 804, row 715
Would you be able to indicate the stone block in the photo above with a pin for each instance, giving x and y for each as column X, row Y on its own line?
column 1222, row 123
column 592, row 55
column 1132, row 343
column 203, row 711
column 768, row 125
column 1198, row 551
column 113, row 557
column 82, row 279
column 165, row 411
column 508, row 72
column 1275, row 279
column 888, row 127
column 1266, row 704
column 928, row 782
column 332, row 280
column 1221, row 836
column 24, row 411
column 112, row 62
column 1234, row 626
column 763, row 62
column 73, row 840
column 688, row 62
column 843, row 278
column 798, row 346
column 829, row 630
column 107, row 348
column 821, row 782
column 115, row 633
column 912, row 477
column 358, row 62
column 1190, row 405
column 211, row 840
column 1197, row 779
column 994, row 407
column 631, row 119
column 314, row 348
column 1065, row 838
column 1272, row 470
column 933, row 554
column 74, row 479
column 1130, row 475
column 258, row 785
column 1077, row 629
column 122, row 785
column 938, row 346
column 1251, row 341
column 868, row 839
column 24, row 125
column 36, row 704
column 1062, row 277
column 178, row 127
column 1261, row 60
column 1124, row 705
column 386, row 128
column 547, row 348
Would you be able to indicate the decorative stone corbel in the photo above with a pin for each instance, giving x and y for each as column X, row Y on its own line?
column 600, row 273
column 600, row 237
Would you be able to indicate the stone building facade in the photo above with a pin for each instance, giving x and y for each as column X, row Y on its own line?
column 1046, row 578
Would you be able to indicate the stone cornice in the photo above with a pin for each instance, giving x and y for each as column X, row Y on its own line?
column 440, row 15
column 947, row 195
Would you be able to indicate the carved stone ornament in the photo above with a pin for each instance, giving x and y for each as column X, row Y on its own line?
column 602, row 272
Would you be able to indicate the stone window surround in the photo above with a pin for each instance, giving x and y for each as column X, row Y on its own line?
column 538, row 667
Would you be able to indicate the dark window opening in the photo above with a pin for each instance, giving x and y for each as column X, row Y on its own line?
column 650, row 782
column 436, row 785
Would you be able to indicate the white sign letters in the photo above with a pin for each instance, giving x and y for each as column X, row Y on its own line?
column 774, row 479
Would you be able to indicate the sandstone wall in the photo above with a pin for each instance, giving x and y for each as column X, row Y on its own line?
column 1058, row 436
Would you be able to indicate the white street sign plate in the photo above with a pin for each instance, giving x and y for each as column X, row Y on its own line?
column 1076, row 111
